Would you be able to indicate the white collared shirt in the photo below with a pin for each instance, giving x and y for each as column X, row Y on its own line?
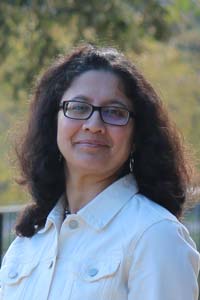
column 120, row 246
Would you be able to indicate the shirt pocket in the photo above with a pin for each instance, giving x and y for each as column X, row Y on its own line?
column 13, row 278
column 96, row 278
column 95, row 270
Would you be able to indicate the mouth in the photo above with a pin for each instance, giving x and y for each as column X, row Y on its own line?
column 91, row 143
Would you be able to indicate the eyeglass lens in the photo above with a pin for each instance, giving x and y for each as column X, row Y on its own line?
column 109, row 114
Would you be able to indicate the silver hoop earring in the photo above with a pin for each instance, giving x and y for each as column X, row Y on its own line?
column 131, row 162
column 60, row 157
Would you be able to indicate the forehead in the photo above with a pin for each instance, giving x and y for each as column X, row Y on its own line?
column 97, row 85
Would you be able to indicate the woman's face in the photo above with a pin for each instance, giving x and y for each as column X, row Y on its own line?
column 91, row 147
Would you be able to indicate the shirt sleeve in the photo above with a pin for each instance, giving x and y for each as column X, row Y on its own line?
column 1, row 296
column 164, row 265
column 1, row 287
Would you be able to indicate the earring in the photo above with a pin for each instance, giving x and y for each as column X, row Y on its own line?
column 131, row 162
column 60, row 157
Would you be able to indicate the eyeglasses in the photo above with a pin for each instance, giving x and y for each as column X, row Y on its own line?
column 112, row 115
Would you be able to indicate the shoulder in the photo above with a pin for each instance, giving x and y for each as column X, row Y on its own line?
column 15, row 250
column 142, row 212
column 161, row 251
column 147, row 218
column 149, row 208
column 26, row 249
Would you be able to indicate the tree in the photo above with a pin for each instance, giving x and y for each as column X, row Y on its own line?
column 33, row 32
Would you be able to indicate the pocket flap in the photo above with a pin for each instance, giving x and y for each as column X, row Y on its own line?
column 12, row 273
column 97, row 269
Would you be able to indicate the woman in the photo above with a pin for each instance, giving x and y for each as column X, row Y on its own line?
column 108, row 179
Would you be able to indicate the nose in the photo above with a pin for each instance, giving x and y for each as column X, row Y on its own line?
column 94, row 123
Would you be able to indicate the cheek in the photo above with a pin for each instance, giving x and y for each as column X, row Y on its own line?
column 63, row 131
column 66, row 129
column 123, row 139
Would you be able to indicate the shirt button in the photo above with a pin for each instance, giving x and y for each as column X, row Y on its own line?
column 73, row 224
column 12, row 274
column 50, row 264
column 92, row 272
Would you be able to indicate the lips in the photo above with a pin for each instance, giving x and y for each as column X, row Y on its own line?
column 92, row 143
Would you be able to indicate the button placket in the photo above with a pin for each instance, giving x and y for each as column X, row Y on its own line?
column 50, row 264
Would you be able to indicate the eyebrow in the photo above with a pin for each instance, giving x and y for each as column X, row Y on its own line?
column 107, row 102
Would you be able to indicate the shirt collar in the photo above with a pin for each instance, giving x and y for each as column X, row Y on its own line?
column 99, row 211
column 102, row 209
column 55, row 217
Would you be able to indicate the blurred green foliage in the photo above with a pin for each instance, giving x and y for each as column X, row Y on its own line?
column 161, row 36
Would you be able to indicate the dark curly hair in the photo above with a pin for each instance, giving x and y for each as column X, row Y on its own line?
column 160, row 166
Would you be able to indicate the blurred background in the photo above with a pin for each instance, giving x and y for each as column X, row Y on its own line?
column 162, row 37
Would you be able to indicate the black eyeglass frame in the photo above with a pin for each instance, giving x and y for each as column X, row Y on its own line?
column 95, row 108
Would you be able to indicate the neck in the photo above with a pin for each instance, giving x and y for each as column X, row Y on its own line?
column 82, row 189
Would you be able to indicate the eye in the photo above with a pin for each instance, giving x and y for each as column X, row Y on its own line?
column 115, row 112
column 76, row 109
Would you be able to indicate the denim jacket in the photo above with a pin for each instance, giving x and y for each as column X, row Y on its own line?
column 120, row 246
